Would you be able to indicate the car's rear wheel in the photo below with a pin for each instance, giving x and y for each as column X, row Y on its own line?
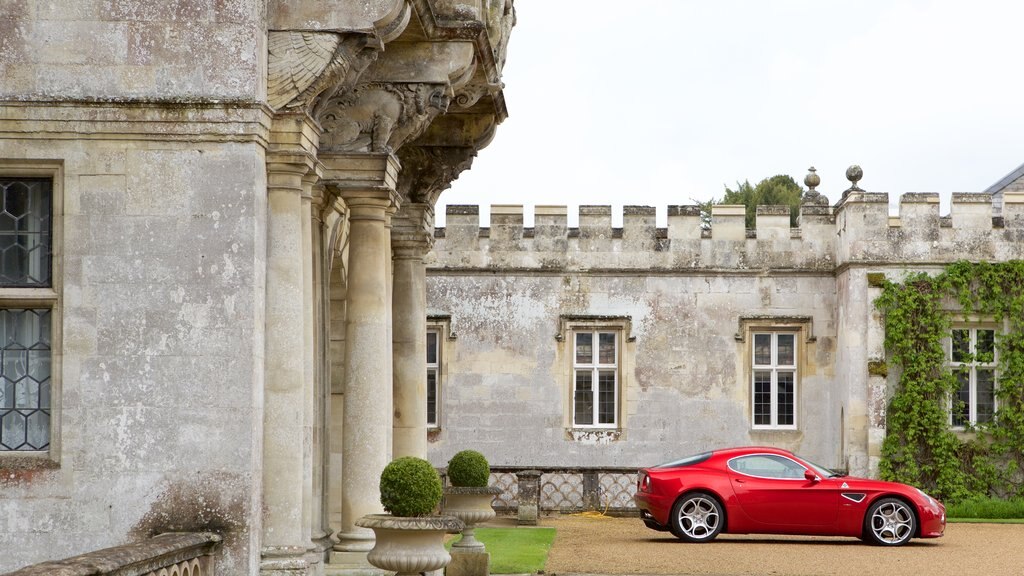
column 696, row 517
column 890, row 522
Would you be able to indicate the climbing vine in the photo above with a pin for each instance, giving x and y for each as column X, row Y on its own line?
column 920, row 448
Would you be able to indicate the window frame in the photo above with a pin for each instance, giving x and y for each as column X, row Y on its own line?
column 972, row 366
column 565, row 356
column 596, row 367
column 775, row 368
column 441, row 325
column 42, row 297
column 435, row 368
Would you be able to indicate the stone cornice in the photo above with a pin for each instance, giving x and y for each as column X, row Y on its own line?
column 172, row 120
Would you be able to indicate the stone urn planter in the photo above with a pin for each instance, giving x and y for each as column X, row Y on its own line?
column 410, row 539
column 409, row 546
column 471, row 505
column 469, row 498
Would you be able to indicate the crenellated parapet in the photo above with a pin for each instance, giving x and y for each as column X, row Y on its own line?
column 857, row 230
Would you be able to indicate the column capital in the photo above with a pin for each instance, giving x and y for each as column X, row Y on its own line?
column 365, row 181
column 370, row 204
column 412, row 231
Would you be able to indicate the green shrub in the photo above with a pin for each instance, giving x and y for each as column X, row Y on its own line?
column 410, row 486
column 469, row 468
column 987, row 508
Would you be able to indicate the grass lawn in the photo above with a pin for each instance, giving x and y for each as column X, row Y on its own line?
column 522, row 550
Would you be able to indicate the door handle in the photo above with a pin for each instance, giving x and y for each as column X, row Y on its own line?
column 739, row 481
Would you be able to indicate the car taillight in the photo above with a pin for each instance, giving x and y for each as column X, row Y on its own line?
column 644, row 483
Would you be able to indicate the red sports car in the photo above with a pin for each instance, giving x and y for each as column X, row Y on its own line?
column 772, row 491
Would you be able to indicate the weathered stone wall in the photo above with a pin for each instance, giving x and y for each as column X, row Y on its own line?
column 508, row 389
column 689, row 293
column 157, row 334
column 124, row 49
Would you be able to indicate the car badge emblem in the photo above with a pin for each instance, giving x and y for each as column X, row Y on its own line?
column 845, row 485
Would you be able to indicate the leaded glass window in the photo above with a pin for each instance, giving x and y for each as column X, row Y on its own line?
column 972, row 357
column 774, row 379
column 595, row 379
column 26, row 238
column 25, row 232
column 25, row 385
column 433, row 376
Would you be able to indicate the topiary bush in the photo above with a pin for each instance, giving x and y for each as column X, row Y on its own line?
column 410, row 486
column 469, row 468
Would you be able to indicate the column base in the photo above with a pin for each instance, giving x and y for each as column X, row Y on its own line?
column 351, row 564
column 356, row 540
column 285, row 561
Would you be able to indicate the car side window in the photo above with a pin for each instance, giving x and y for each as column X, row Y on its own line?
column 767, row 466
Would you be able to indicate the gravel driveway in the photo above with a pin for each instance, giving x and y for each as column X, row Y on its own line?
column 624, row 546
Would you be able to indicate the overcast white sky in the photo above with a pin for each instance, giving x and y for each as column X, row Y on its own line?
column 659, row 102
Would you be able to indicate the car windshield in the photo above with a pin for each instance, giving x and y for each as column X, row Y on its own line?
column 687, row 461
column 821, row 470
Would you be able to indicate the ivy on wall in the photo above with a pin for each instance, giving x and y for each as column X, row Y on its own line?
column 919, row 447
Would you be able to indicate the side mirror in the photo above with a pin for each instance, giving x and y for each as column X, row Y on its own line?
column 811, row 476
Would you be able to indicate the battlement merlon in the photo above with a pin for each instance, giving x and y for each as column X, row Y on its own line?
column 857, row 229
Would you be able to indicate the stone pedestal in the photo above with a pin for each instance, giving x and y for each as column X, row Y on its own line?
column 529, row 496
column 469, row 562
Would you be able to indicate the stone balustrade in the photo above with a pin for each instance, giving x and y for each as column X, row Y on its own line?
column 173, row 554
column 530, row 491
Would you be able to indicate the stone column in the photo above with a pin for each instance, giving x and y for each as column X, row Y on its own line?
column 285, row 470
column 311, row 401
column 411, row 238
column 366, row 420
column 321, row 530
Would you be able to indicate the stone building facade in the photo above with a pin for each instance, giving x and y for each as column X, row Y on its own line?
column 212, row 282
column 625, row 347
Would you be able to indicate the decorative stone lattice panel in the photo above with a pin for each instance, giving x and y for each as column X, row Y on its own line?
column 509, row 484
column 561, row 491
column 617, row 490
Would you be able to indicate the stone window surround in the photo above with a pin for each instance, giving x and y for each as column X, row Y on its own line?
column 442, row 324
column 623, row 327
column 803, row 326
column 972, row 323
column 42, row 297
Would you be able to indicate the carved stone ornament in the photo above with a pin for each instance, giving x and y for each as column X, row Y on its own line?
column 409, row 546
column 501, row 17
column 469, row 95
column 429, row 170
column 303, row 66
column 380, row 116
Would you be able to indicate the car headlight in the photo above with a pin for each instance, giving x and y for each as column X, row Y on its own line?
column 932, row 501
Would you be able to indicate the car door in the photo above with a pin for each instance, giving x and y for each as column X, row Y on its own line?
column 772, row 490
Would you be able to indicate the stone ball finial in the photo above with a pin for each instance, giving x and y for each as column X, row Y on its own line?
column 812, row 179
column 854, row 174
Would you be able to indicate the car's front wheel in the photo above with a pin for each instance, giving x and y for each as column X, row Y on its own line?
column 697, row 517
column 890, row 522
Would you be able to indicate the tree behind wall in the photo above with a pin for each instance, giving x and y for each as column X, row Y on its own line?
column 777, row 190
